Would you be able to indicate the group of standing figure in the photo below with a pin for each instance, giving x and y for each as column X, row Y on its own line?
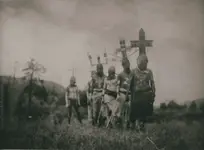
column 123, row 100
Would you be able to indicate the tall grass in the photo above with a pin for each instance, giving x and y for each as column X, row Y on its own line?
column 53, row 132
column 49, row 129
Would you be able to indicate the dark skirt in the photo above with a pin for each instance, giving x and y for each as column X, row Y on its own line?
column 141, row 106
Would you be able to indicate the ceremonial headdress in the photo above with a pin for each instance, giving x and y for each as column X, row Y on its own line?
column 111, row 69
column 73, row 79
column 99, row 66
column 142, row 58
column 93, row 72
column 125, row 61
column 142, row 61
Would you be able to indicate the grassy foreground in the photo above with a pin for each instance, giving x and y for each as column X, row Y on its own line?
column 43, row 133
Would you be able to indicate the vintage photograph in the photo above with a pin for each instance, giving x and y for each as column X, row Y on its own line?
column 102, row 74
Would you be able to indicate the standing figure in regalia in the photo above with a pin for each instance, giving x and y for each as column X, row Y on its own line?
column 97, row 95
column 72, row 99
column 142, row 89
column 124, row 93
column 89, row 94
column 110, row 94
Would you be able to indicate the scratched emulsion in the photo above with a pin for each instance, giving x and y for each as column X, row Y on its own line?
column 59, row 33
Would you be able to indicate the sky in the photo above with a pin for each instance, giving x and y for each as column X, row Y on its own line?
column 59, row 33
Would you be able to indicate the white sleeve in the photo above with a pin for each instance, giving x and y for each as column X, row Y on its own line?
column 66, row 97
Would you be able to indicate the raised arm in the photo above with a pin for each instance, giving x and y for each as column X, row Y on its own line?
column 152, row 82
column 104, row 86
column 131, row 86
column 88, row 90
column 78, row 96
column 66, row 96
column 118, row 84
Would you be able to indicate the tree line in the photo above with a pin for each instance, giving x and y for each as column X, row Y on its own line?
column 192, row 107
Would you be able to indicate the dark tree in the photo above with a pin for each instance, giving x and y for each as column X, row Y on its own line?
column 173, row 105
column 193, row 106
column 202, row 107
column 163, row 106
column 32, row 70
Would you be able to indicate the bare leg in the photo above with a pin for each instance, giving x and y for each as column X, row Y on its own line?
column 69, row 113
column 76, row 107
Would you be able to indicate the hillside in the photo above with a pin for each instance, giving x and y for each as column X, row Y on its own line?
column 20, row 84
column 15, row 89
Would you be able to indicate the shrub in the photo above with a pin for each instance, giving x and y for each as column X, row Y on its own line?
column 163, row 106
column 193, row 106
column 172, row 104
column 202, row 107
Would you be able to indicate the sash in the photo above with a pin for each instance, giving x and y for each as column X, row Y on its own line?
column 111, row 93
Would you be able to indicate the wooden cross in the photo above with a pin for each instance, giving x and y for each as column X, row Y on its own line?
column 123, row 49
column 141, row 43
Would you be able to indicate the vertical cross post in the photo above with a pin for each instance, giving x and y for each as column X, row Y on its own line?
column 105, row 55
column 73, row 71
column 123, row 49
column 142, row 43
column 90, row 59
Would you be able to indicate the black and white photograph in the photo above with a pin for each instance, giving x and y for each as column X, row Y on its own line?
column 102, row 74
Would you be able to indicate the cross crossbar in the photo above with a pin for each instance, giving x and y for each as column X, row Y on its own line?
column 146, row 43
column 141, row 43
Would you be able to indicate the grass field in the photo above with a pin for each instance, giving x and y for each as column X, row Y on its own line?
column 43, row 133
column 176, row 131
